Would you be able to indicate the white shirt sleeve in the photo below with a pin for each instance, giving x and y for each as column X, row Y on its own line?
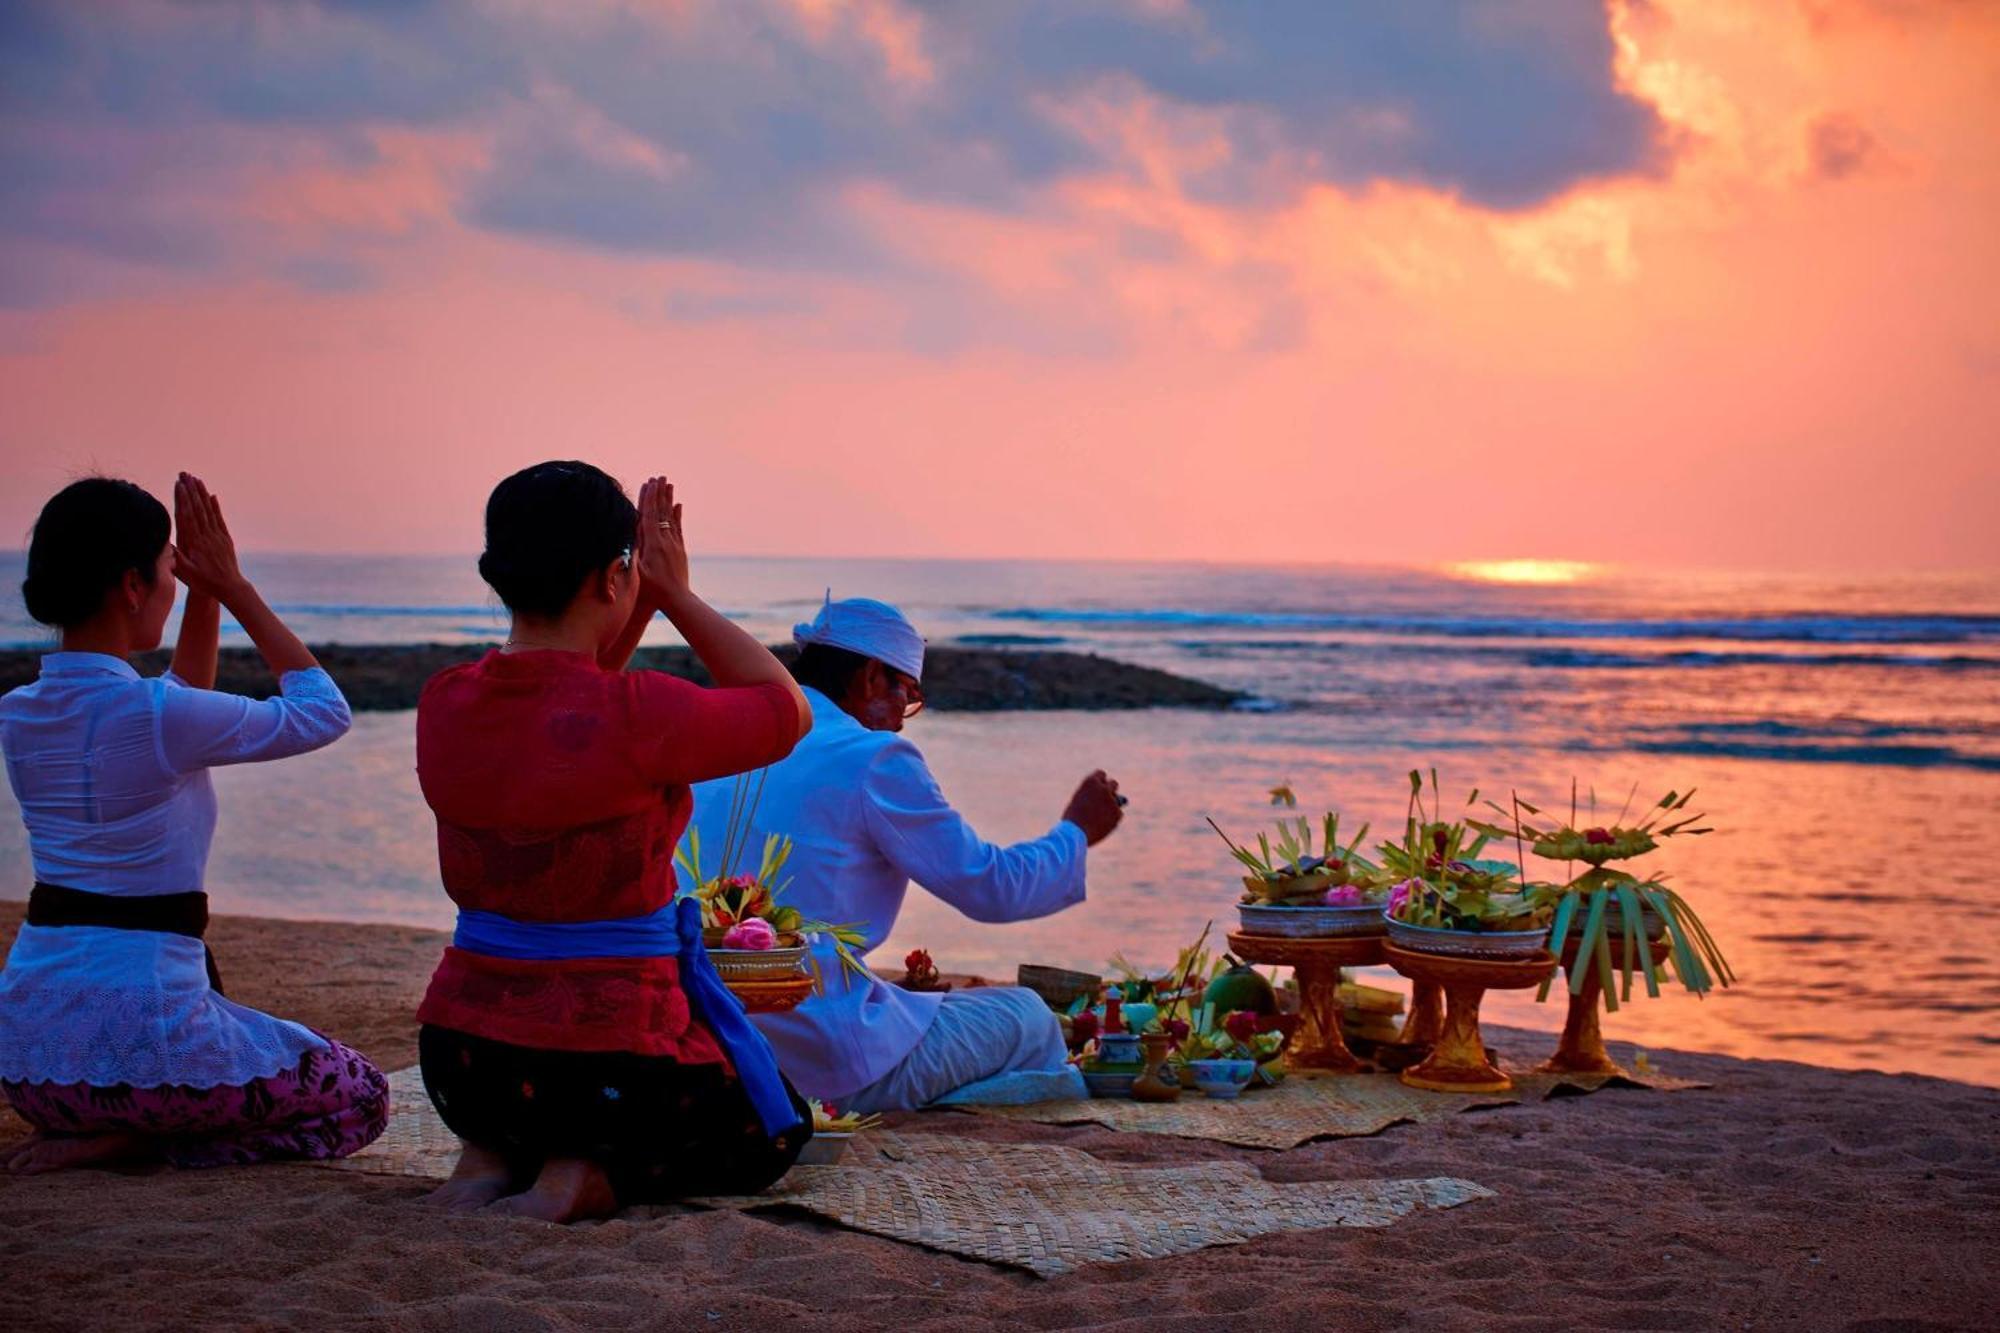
column 207, row 728
column 913, row 826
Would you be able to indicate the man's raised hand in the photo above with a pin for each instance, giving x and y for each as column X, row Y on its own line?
column 1096, row 807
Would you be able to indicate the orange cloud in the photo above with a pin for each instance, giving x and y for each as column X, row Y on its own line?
column 1782, row 351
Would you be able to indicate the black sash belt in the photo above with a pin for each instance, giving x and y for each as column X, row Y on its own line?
column 168, row 913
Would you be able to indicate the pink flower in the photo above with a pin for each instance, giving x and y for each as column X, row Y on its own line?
column 756, row 933
column 1401, row 894
column 1343, row 895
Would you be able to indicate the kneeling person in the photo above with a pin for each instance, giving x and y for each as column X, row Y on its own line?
column 866, row 818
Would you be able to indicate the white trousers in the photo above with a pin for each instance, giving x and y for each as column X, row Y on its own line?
column 976, row 1034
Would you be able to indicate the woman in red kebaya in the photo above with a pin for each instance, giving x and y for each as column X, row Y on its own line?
column 574, row 1035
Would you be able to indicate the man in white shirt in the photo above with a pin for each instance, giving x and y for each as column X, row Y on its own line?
column 866, row 818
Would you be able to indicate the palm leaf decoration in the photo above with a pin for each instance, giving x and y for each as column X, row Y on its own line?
column 1611, row 914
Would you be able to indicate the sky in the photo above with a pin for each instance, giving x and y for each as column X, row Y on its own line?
column 1660, row 282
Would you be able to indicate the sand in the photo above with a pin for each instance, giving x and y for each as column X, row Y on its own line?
column 1787, row 1197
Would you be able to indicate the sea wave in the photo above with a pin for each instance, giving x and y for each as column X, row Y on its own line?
column 1597, row 659
column 363, row 611
column 1011, row 640
column 1786, row 628
column 1836, row 741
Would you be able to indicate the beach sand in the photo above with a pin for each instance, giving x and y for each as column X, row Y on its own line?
column 1786, row 1197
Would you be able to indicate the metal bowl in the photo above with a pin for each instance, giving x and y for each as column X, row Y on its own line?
column 1307, row 923
column 759, row 964
column 1468, row 943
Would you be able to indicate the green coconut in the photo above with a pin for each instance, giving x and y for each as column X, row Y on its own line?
column 1240, row 988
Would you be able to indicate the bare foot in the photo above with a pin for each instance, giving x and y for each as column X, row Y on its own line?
column 43, row 1153
column 569, row 1189
column 480, row 1178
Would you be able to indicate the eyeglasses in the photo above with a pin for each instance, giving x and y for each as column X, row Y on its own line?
column 913, row 693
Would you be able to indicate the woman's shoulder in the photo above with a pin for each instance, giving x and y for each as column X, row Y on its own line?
column 453, row 682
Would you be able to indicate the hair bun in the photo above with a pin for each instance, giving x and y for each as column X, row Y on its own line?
column 547, row 528
column 89, row 535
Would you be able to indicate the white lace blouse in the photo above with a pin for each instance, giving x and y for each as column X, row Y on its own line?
column 111, row 772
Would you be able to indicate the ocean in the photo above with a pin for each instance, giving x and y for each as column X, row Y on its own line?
column 1843, row 732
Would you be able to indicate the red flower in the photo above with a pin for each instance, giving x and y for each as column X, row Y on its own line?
column 1598, row 835
column 1242, row 1025
column 1177, row 1028
column 918, row 961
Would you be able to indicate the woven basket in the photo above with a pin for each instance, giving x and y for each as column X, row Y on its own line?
column 1058, row 987
column 772, row 997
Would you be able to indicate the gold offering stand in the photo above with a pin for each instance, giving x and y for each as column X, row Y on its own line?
column 1581, row 1049
column 1425, row 1022
column 1458, row 1063
column 1317, row 1047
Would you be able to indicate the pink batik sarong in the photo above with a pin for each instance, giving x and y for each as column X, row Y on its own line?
column 332, row 1103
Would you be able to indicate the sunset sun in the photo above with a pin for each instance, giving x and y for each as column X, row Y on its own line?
column 1523, row 571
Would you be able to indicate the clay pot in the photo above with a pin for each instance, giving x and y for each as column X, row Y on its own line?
column 1152, row 1086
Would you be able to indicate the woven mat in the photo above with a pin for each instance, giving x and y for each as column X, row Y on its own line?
column 1336, row 1106
column 416, row 1143
column 1040, row 1207
column 1050, row 1209
column 1341, row 1106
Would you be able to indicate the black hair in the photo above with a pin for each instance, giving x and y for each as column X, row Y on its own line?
column 827, row 669
column 89, row 533
column 548, row 528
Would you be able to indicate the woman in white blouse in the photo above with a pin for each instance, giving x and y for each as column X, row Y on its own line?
column 116, row 1042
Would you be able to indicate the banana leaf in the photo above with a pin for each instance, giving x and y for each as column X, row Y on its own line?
column 1559, row 928
column 1705, row 940
column 1603, row 956
column 1586, row 950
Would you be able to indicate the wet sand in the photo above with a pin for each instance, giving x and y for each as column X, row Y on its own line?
column 1787, row 1197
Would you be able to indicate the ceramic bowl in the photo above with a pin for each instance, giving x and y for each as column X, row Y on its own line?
column 1139, row 1015
column 824, row 1148
column 1306, row 923
column 1112, row 1084
column 1118, row 1048
column 1222, row 1079
column 1495, row 944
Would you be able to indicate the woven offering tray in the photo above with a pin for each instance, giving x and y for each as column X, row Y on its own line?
column 771, row 997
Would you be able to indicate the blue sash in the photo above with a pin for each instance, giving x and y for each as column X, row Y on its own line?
column 672, row 932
